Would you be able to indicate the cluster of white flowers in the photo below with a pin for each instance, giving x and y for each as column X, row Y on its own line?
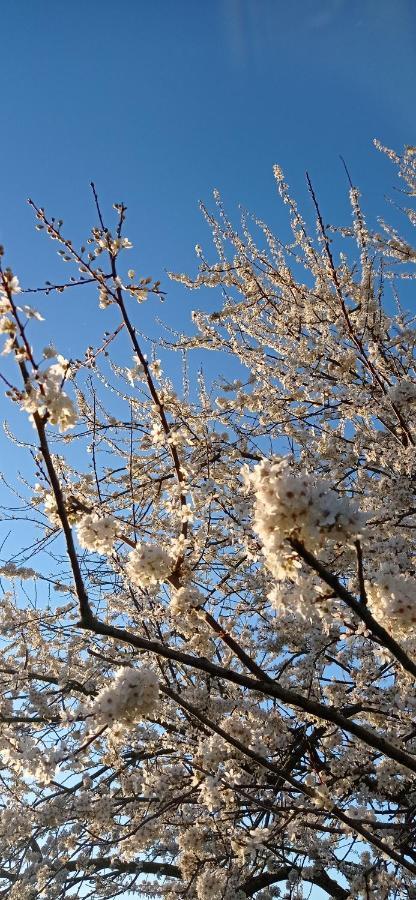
column 45, row 396
column 132, row 695
column 186, row 607
column 403, row 393
column 213, row 750
column 102, row 811
column 51, row 511
column 193, row 840
column 148, row 564
column 82, row 803
column 105, row 299
column 289, row 505
column 12, row 283
column 157, row 435
column 185, row 601
column 246, row 844
column 392, row 601
column 106, row 241
column 97, row 533
column 216, row 884
column 29, row 757
column 237, row 728
column 73, row 501
column 211, row 793
column 7, row 324
column 303, row 596
column 11, row 570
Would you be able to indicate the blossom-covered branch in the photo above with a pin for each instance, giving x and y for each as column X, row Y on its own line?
column 208, row 589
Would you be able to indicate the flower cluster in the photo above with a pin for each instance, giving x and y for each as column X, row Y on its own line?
column 246, row 844
column 147, row 565
column 11, row 286
column 186, row 608
column 8, row 326
column 11, row 570
column 403, row 394
column 290, row 505
column 185, row 601
column 132, row 695
column 51, row 509
column 27, row 756
column 106, row 241
column 216, row 884
column 237, row 729
column 97, row 533
column 392, row 600
column 44, row 395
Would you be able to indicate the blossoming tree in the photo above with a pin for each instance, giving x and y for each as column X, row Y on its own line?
column 223, row 703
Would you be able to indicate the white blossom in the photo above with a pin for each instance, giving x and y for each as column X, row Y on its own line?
column 97, row 533
column 44, row 395
column 393, row 601
column 132, row 695
column 291, row 505
column 148, row 564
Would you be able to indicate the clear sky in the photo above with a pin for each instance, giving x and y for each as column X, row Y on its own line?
column 160, row 101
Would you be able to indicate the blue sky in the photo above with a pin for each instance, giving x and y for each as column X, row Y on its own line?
column 160, row 101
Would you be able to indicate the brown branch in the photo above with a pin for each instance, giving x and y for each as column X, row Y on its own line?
column 358, row 608
column 267, row 688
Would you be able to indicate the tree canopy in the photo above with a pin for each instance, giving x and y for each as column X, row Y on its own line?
column 207, row 653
